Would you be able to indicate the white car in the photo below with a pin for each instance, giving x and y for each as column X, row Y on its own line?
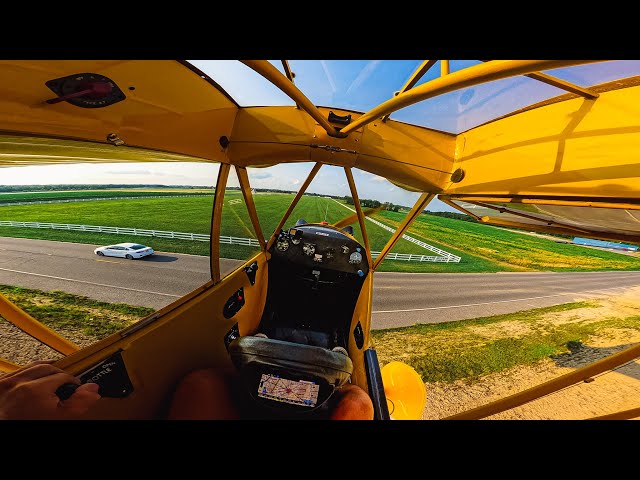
column 125, row 250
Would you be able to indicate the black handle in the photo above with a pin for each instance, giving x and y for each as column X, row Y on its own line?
column 66, row 390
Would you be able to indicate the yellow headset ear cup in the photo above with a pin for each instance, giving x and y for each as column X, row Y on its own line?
column 405, row 391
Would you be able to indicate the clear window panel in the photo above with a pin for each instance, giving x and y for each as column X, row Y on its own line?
column 55, row 220
column 274, row 188
column 325, row 201
column 238, row 240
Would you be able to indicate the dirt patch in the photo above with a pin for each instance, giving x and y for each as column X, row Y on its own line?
column 609, row 392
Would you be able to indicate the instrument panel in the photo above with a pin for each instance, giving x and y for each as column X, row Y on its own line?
column 321, row 247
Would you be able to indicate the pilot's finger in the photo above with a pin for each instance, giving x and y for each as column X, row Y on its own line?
column 41, row 370
column 81, row 400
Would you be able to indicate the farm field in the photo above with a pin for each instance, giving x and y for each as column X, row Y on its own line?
column 482, row 248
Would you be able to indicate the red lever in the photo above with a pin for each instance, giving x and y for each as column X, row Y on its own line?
column 92, row 89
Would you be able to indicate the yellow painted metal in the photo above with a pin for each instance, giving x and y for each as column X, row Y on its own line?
column 623, row 415
column 475, row 75
column 29, row 325
column 551, row 386
column 569, row 87
column 7, row 366
column 417, row 209
column 567, row 201
column 561, row 230
column 271, row 73
column 414, row 78
column 216, row 221
column 362, row 315
column 287, row 70
column 171, row 108
column 243, row 178
column 576, row 148
column 358, row 207
column 519, row 213
column 294, row 202
column 444, row 68
column 186, row 337
column 458, row 207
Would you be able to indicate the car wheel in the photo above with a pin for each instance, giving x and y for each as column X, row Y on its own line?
column 128, row 257
column 100, row 254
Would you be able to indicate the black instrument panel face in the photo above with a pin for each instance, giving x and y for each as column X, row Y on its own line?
column 321, row 247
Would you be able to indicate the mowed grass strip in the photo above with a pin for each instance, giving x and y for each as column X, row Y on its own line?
column 469, row 349
column 482, row 248
column 96, row 194
column 516, row 251
column 62, row 311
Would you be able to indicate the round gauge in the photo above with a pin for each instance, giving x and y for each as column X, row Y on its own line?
column 309, row 249
column 296, row 241
column 282, row 245
column 355, row 257
column 345, row 249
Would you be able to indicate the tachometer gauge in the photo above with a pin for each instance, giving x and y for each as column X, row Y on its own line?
column 282, row 245
column 309, row 249
column 355, row 257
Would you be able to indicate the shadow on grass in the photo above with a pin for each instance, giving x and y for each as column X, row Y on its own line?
column 584, row 355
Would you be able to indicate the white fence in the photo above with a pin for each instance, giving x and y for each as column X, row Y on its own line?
column 445, row 257
column 68, row 200
column 198, row 237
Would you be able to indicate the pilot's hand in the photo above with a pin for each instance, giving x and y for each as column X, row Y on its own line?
column 29, row 394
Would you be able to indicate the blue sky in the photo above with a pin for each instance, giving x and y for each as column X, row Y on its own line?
column 351, row 84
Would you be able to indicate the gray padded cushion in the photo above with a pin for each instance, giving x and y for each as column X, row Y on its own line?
column 304, row 358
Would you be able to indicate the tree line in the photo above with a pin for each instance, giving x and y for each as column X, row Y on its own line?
column 88, row 186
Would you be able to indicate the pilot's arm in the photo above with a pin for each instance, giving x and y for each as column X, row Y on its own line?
column 29, row 394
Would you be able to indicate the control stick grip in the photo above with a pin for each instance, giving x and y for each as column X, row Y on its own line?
column 66, row 390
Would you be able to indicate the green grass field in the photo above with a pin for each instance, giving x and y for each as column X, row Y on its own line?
column 482, row 248
column 72, row 195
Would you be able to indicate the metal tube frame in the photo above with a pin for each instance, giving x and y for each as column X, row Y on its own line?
column 468, row 77
column 245, row 186
column 417, row 209
column 216, row 218
column 29, row 325
column 271, row 73
column 356, row 203
column 551, row 386
column 564, row 85
column 6, row 366
column 413, row 79
column 294, row 202
column 444, row 68
column 622, row 415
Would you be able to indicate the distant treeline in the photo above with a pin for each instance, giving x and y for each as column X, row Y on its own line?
column 368, row 203
column 456, row 215
column 86, row 186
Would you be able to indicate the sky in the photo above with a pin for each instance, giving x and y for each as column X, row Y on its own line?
column 356, row 85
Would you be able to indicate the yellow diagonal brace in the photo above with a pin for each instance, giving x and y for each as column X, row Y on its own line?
column 413, row 79
column 243, row 179
column 569, row 87
column 417, row 209
column 7, row 366
column 475, row 75
column 29, row 325
column 216, row 221
column 294, row 202
column 271, row 73
column 551, row 386
column 356, row 203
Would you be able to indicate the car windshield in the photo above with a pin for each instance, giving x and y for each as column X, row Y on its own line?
column 137, row 247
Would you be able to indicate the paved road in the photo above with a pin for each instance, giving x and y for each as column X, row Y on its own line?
column 400, row 299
